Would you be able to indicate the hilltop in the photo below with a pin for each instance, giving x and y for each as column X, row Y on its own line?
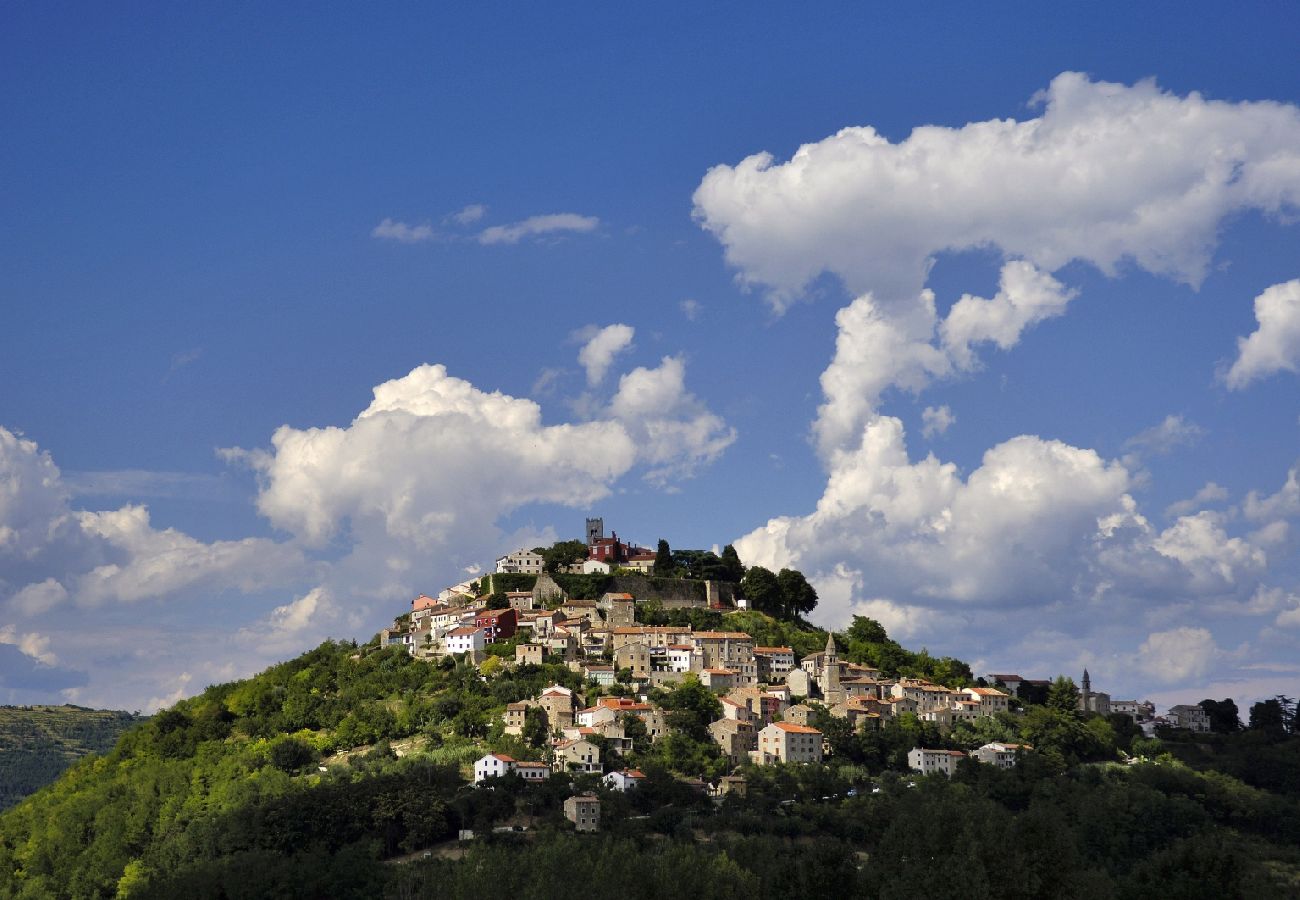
column 37, row 743
column 346, row 772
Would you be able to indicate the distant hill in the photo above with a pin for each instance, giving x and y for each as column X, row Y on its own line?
column 37, row 743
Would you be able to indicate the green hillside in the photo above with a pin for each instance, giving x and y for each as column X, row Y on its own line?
column 344, row 773
column 37, row 743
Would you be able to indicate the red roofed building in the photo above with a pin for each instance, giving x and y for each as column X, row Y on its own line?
column 497, row 624
column 786, row 742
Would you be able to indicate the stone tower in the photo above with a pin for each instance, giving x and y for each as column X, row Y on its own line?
column 1085, row 696
column 830, row 680
column 595, row 530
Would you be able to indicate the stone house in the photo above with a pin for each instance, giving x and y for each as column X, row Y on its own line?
column 773, row 663
column 798, row 714
column 529, row 654
column 732, row 650
column 787, row 742
column 515, row 716
column 736, row 738
column 577, row 756
column 583, row 810
column 634, row 656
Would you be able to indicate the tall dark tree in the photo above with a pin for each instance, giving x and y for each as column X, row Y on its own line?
column 733, row 569
column 762, row 591
column 1063, row 696
column 1223, row 714
column 535, row 731
column 798, row 597
column 1275, row 716
column 664, row 559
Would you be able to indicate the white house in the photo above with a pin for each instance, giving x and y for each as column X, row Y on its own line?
column 998, row 754
column 494, row 765
column 595, row 567
column 927, row 762
column 991, row 700
column 525, row 562
column 623, row 781
column 465, row 639
column 532, row 771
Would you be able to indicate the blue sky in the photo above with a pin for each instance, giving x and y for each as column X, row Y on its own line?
column 222, row 231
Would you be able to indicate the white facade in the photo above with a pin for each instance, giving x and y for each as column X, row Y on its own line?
column 997, row 754
column 991, row 700
column 595, row 567
column 623, row 781
column 494, row 765
column 928, row 762
column 525, row 562
column 465, row 639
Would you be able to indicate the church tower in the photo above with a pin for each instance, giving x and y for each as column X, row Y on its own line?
column 1085, row 698
column 830, row 680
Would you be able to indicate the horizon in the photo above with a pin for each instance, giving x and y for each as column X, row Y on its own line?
column 307, row 313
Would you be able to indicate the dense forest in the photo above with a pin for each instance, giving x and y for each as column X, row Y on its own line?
column 343, row 773
column 38, row 742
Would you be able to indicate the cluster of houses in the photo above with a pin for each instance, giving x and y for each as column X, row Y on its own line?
column 604, row 555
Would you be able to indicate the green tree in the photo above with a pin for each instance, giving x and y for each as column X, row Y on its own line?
column 561, row 554
column 761, row 589
column 731, row 569
column 664, row 565
column 498, row 601
column 1269, row 716
column 1223, row 715
column 798, row 597
column 535, row 732
column 292, row 755
column 1063, row 696
column 867, row 630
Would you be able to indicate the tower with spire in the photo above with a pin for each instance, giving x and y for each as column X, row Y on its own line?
column 1085, row 697
column 830, row 680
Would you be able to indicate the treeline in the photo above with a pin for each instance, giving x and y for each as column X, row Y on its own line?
column 1115, row 833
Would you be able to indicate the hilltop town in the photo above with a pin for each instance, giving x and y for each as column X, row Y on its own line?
column 636, row 625
column 681, row 726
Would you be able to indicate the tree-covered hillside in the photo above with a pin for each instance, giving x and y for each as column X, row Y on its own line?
column 38, row 742
column 344, row 773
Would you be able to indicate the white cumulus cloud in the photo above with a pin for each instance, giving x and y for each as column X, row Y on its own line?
column 906, row 345
column 600, row 347
column 1107, row 173
column 1275, row 345
column 36, row 646
column 1178, row 655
